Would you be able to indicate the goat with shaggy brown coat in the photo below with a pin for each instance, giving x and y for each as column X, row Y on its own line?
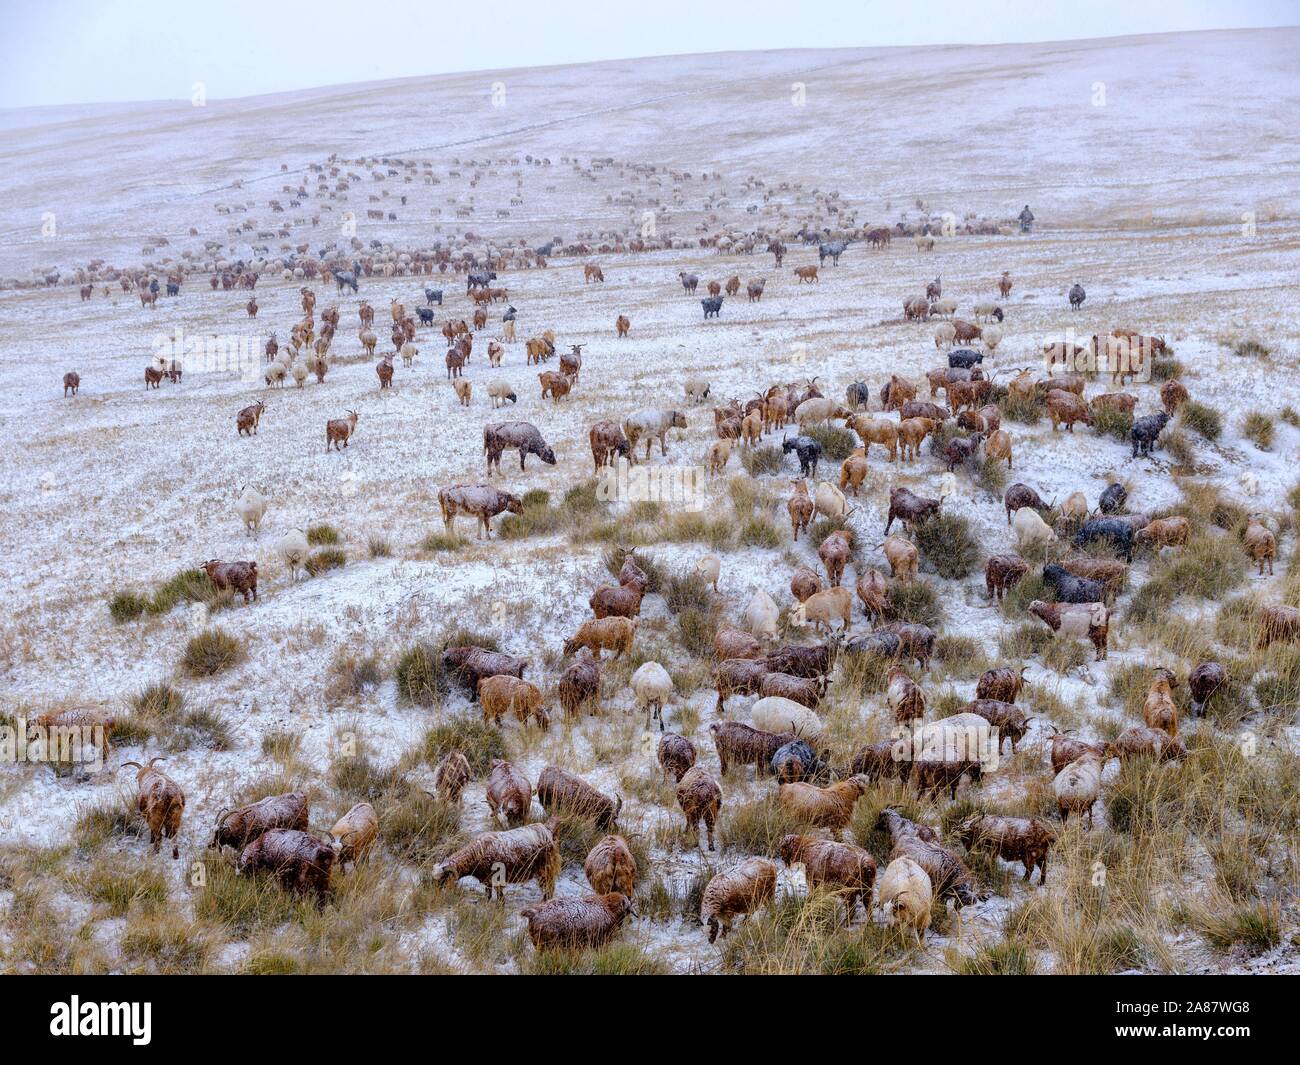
column 903, row 558
column 739, row 891
column 1261, row 544
column 700, row 798
column 904, row 695
column 1003, row 684
column 830, row 808
column 845, row 868
column 611, row 867
column 509, row 794
column 603, row 634
column 676, row 754
column 1159, row 709
column 562, row 792
column 580, row 684
column 1013, row 839
column 504, row 694
column 874, row 593
column 514, row 856
column 1003, row 572
column 451, row 776
column 161, row 803
column 835, row 552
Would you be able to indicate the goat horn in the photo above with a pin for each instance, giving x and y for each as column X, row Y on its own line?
column 125, row 764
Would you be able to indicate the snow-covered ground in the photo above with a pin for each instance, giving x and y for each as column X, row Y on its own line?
column 1139, row 157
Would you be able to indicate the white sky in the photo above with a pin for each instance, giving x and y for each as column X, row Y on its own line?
column 91, row 51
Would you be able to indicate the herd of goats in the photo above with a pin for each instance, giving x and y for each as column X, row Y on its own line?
column 789, row 680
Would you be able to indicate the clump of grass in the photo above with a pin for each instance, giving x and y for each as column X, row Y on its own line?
column 243, row 904
column 327, row 558
column 1178, row 446
column 1025, row 410
column 355, row 673
column 992, row 476
column 479, row 742
column 1291, row 416
column 916, row 602
column 685, row 526
column 1107, row 421
column 379, row 547
column 420, row 828
column 158, row 701
column 281, row 744
column 696, row 629
column 210, row 652
column 763, row 460
column 616, row 959
column 755, row 827
column 837, row 442
column 760, row 531
column 947, row 544
column 419, row 675
column 442, row 541
column 1166, row 369
column 1201, row 418
column 1010, row 957
column 1252, row 349
column 1065, row 653
column 1024, row 641
column 1253, row 926
column 201, row 727
column 1258, row 428
column 685, row 591
column 127, row 606
column 323, row 535
column 118, row 889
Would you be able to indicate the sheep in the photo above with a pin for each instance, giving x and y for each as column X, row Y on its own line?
column 652, row 425
column 338, row 431
column 1074, row 511
column 409, row 351
column 1260, row 544
column 353, row 834
column 1158, row 708
column 1003, row 684
column 504, row 694
column 1142, row 742
column 830, row 808
column 903, row 558
column 949, row 876
column 1076, row 296
column 945, row 308
column 830, row 502
column 513, row 856
column 697, row 389
column 700, row 798
column 944, row 335
column 652, row 687
column 1032, row 533
column 740, row 744
column 675, row 754
column 603, row 634
column 500, row 393
column 610, row 867
column 761, row 616
column 509, row 793
column 560, row 791
column 237, row 828
column 464, row 390
column 1173, row 394
column 824, row 607
column 847, row 869
column 251, row 508
column 1013, row 839
column 905, row 697
column 1078, row 786
column 451, row 776
column 707, row 570
column 1003, row 572
column 739, row 891
column 907, row 895
column 1203, row 683
column 773, row 713
column 992, row 337
column 161, row 803
column 576, row 924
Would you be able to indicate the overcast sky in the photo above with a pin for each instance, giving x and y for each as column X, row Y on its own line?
column 90, row 51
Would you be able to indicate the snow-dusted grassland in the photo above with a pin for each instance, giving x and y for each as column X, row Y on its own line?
column 1163, row 172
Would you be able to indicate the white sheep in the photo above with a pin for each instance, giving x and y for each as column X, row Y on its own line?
column 652, row 687
column 945, row 335
column 1031, row 530
column 907, row 894
column 985, row 309
column 300, row 372
column 1077, row 786
column 946, row 307
column 409, row 352
column 761, row 616
column 992, row 337
column 293, row 548
column 697, row 389
column 830, row 501
column 774, row 713
column 501, row 393
column 708, row 569
column 251, row 508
